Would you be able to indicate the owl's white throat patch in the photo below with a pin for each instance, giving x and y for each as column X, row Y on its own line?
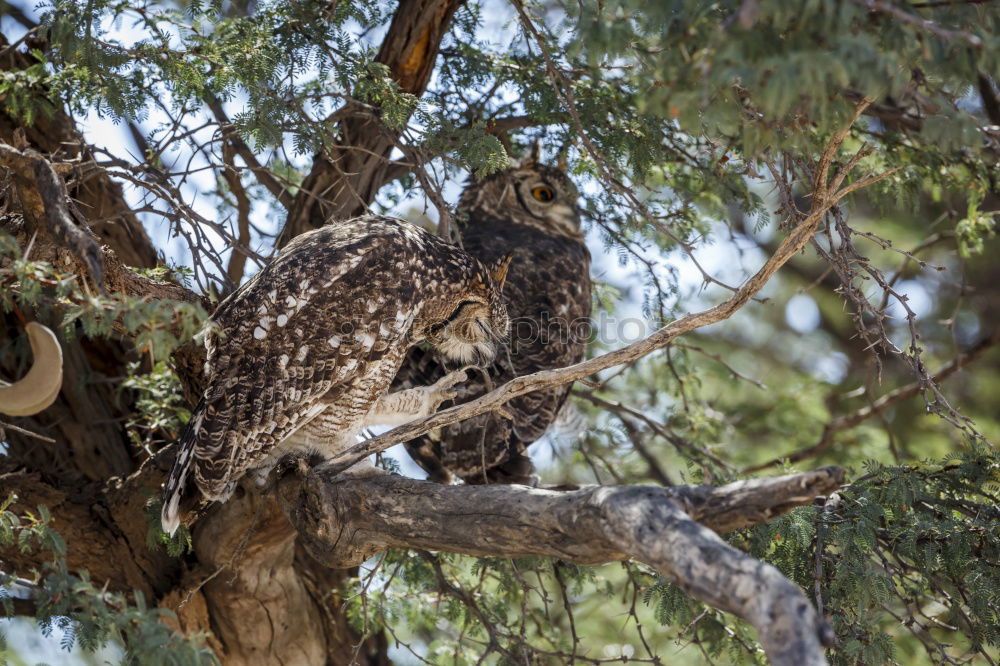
column 464, row 351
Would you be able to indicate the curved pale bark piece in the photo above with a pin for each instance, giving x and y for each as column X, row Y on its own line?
column 344, row 520
column 37, row 389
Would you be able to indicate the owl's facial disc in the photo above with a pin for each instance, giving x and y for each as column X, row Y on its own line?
column 469, row 334
column 551, row 202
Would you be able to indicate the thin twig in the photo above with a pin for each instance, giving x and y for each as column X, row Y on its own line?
column 847, row 421
column 928, row 25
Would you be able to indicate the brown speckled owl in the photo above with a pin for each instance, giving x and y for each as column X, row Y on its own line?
column 531, row 212
column 300, row 357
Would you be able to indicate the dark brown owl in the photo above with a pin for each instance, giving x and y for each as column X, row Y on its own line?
column 530, row 212
column 300, row 357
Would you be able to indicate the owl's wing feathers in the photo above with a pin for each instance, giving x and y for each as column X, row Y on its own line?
column 304, row 326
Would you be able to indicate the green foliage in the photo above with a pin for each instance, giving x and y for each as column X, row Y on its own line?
column 896, row 536
column 85, row 613
column 166, row 274
column 161, row 410
column 176, row 545
column 156, row 327
column 19, row 91
column 974, row 230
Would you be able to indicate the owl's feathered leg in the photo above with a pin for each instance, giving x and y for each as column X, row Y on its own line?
column 426, row 452
column 397, row 408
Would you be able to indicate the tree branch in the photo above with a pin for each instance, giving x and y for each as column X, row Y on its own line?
column 343, row 183
column 882, row 7
column 895, row 397
column 264, row 175
column 44, row 199
column 344, row 520
column 105, row 533
column 98, row 197
column 238, row 258
column 991, row 102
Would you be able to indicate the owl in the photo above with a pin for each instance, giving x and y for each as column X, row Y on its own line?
column 300, row 357
column 529, row 212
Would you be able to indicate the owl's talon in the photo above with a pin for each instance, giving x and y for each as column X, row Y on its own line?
column 452, row 378
column 442, row 390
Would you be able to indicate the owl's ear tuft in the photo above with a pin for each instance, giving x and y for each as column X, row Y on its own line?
column 535, row 155
column 498, row 269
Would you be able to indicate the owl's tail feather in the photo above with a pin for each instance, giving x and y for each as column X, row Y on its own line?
column 170, row 518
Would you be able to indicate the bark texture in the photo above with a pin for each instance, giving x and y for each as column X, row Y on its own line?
column 263, row 599
column 345, row 520
column 99, row 200
column 251, row 581
column 345, row 180
column 87, row 415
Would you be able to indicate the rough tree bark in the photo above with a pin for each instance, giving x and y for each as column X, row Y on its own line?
column 89, row 478
column 100, row 448
column 98, row 198
column 343, row 521
column 345, row 180
column 249, row 569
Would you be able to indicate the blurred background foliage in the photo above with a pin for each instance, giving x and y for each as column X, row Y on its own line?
column 692, row 129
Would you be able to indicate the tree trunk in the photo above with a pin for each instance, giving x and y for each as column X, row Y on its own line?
column 344, row 182
column 80, row 477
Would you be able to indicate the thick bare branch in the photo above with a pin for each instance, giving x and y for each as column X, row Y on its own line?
column 45, row 200
column 105, row 533
column 344, row 182
column 43, row 197
column 343, row 520
column 97, row 197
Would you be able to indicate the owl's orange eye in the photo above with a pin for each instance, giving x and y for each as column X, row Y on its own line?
column 543, row 193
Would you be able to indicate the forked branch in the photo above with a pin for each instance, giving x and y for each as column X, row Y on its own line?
column 344, row 520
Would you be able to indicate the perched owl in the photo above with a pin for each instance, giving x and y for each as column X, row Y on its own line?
column 529, row 212
column 300, row 357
